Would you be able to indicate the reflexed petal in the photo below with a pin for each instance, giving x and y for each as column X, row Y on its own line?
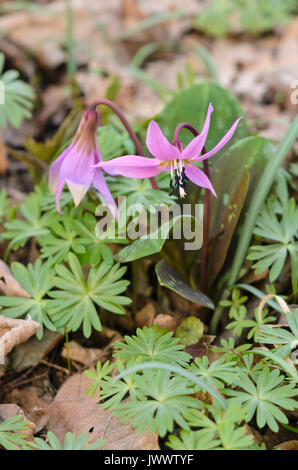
column 55, row 169
column 59, row 188
column 133, row 166
column 198, row 177
column 222, row 142
column 101, row 186
column 78, row 191
column 159, row 145
column 78, row 167
column 194, row 148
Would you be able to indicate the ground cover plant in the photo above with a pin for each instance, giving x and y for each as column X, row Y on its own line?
column 163, row 256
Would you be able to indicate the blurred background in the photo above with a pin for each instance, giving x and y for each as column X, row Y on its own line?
column 140, row 53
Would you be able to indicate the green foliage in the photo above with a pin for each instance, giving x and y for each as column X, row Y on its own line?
column 164, row 400
column 16, row 97
column 10, row 436
column 102, row 372
column 35, row 224
column 216, row 374
column 220, row 431
column 235, row 303
column 112, row 392
column 95, row 247
column 262, row 395
column 284, row 341
column 61, row 239
column 140, row 192
column 37, row 280
column 152, row 344
column 156, row 398
column 190, row 331
column 284, row 233
column 74, row 304
column 218, row 17
column 70, row 443
column 4, row 204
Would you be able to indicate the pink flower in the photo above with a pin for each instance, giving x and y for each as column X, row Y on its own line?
column 75, row 166
column 170, row 157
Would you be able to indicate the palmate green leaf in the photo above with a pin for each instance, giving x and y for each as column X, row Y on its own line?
column 140, row 191
column 102, row 371
column 216, row 374
column 283, row 233
column 74, row 304
column 62, row 239
column 261, row 191
column 35, row 224
column 220, row 431
column 18, row 97
column 10, row 437
column 240, row 322
column 113, row 142
column 264, row 396
column 37, row 280
column 96, row 247
column 194, row 440
column 165, row 400
column 113, row 392
column 70, row 443
column 284, row 341
column 152, row 344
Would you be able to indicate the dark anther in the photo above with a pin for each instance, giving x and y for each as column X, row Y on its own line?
column 184, row 177
column 171, row 188
column 177, row 182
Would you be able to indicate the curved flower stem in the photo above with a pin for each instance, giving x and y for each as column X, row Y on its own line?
column 130, row 131
column 204, row 262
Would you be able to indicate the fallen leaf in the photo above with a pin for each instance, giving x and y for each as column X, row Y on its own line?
column 9, row 286
column 145, row 316
column 73, row 411
column 167, row 321
column 86, row 356
column 34, row 407
column 10, row 410
column 30, row 353
column 15, row 331
column 288, row 445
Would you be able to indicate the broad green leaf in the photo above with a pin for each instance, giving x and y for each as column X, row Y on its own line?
column 171, row 278
column 251, row 153
column 154, row 241
column 190, row 331
column 219, row 245
column 191, row 106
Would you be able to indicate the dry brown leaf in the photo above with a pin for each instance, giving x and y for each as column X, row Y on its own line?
column 85, row 356
column 145, row 316
column 34, row 407
column 200, row 349
column 288, row 445
column 167, row 321
column 15, row 331
column 73, row 411
column 30, row 353
column 8, row 284
column 9, row 410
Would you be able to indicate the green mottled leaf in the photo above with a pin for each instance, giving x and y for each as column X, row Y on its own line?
column 171, row 278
